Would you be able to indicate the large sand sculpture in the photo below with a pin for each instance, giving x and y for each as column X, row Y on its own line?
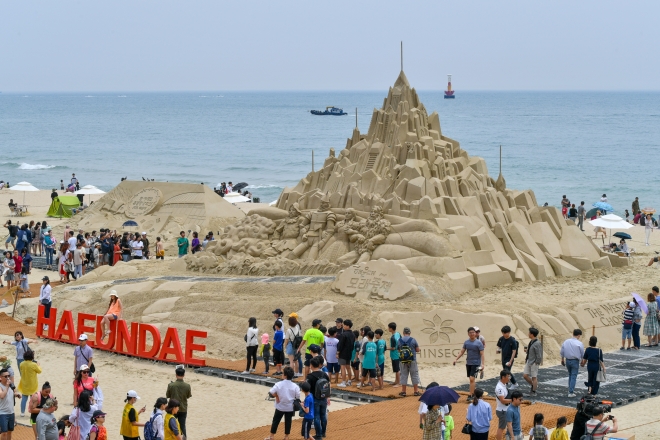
column 407, row 193
column 159, row 208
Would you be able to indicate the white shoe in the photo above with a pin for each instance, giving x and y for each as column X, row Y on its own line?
column 245, row 372
column 514, row 386
column 45, row 327
column 341, row 385
column 252, row 370
column 349, row 383
column 22, row 414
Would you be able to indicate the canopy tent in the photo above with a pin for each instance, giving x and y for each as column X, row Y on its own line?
column 89, row 189
column 62, row 206
column 611, row 221
column 236, row 198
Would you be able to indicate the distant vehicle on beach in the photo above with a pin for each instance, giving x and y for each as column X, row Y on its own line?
column 449, row 93
column 329, row 111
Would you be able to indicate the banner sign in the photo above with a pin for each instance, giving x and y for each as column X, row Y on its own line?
column 122, row 339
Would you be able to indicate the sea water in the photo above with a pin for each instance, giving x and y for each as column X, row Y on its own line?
column 581, row 144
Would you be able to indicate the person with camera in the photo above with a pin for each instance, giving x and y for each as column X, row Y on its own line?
column 597, row 427
column 7, row 395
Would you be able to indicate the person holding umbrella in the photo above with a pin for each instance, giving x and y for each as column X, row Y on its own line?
column 433, row 408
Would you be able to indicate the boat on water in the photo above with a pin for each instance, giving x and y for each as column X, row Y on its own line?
column 449, row 93
column 329, row 111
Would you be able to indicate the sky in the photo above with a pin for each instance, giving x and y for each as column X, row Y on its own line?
column 78, row 46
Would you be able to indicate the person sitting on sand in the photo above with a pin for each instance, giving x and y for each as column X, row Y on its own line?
column 114, row 313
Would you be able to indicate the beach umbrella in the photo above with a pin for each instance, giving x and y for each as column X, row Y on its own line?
column 591, row 213
column 89, row 189
column 441, row 395
column 611, row 221
column 239, row 186
column 236, row 198
column 640, row 302
column 130, row 224
column 623, row 235
column 648, row 210
column 25, row 187
column 603, row 206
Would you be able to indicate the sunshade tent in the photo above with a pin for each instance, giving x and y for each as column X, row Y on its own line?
column 236, row 198
column 611, row 221
column 89, row 190
column 61, row 206
column 25, row 187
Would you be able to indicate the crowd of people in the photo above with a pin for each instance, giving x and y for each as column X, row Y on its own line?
column 167, row 420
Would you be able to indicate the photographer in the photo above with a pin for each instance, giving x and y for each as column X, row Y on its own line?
column 597, row 426
column 7, row 395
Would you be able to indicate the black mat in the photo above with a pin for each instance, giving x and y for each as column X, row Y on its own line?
column 632, row 375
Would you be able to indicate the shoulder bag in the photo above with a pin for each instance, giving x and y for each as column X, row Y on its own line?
column 92, row 368
column 601, row 376
column 467, row 429
column 74, row 430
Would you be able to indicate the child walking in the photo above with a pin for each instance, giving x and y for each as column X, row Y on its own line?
column 449, row 423
column 381, row 346
column 538, row 432
column 278, row 348
column 432, row 424
column 25, row 286
column 307, row 411
column 265, row 351
column 560, row 432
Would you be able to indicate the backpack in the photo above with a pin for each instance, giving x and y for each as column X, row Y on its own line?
column 591, row 436
column 406, row 354
column 538, row 433
column 322, row 389
column 297, row 340
column 149, row 428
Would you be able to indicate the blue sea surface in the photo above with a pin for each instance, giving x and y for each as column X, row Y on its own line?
column 581, row 144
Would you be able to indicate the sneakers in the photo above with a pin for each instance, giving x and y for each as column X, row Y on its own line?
column 349, row 383
column 22, row 414
column 341, row 385
column 571, row 395
column 252, row 370
column 470, row 399
column 514, row 386
column 245, row 372
column 277, row 373
column 533, row 393
column 297, row 374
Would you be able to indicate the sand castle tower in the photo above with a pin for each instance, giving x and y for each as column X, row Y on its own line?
column 407, row 193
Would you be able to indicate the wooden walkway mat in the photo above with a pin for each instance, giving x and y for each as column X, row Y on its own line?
column 22, row 432
column 399, row 419
column 9, row 326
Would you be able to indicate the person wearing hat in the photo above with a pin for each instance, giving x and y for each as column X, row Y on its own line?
column 82, row 382
column 83, row 354
column 277, row 314
column 45, row 299
column 130, row 417
column 312, row 336
column 114, row 312
column 97, row 431
column 145, row 242
column 45, row 422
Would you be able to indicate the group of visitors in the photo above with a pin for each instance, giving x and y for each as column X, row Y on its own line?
column 86, row 422
column 322, row 355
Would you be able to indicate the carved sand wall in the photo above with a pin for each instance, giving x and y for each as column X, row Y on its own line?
column 405, row 192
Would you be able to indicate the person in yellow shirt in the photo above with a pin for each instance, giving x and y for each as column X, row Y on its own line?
column 29, row 383
column 172, row 427
column 129, row 418
column 560, row 433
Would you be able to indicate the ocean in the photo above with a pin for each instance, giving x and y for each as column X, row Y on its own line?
column 581, row 144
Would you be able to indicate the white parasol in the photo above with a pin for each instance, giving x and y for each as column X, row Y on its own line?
column 611, row 221
column 235, row 197
column 89, row 189
column 25, row 187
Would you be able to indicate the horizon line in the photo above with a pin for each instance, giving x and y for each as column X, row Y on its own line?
column 331, row 91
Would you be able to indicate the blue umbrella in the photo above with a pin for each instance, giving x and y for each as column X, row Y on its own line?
column 623, row 235
column 130, row 223
column 439, row 396
column 603, row 206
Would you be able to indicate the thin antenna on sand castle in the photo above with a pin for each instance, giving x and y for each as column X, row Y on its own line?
column 402, row 56
column 356, row 126
column 312, row 161
column 500, row 160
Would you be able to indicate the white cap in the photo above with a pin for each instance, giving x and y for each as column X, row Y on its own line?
column 144, row 233
column 114, row 293
column 83, row 337
column 476, row 329
column 83, row 367
column 632, row 304
column 132, row 394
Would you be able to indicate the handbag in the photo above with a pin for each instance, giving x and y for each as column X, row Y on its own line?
column 297, row 405
column 74, row 430
column 467, row 429
column 601, row 376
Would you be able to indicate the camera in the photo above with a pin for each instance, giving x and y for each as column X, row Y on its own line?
column 12, row 386
column 588, row 404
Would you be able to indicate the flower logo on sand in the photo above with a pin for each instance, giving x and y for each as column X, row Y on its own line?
column 438, row 329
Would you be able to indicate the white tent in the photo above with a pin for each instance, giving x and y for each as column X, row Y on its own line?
column 25, row 187
column 611, row 221
column 89, row 189
column 235, row 197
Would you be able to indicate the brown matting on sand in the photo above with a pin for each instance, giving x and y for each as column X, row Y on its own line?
column 398, row 419
column 9, row 326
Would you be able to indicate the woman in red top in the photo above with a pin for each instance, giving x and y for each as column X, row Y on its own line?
column 114, row 312
column 116, row 254
column 83, row 382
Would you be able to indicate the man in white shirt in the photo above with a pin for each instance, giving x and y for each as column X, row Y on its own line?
column 501, row 392
column 284, row 392
column 571, row 353
column 72, row 240
column 137, row 248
